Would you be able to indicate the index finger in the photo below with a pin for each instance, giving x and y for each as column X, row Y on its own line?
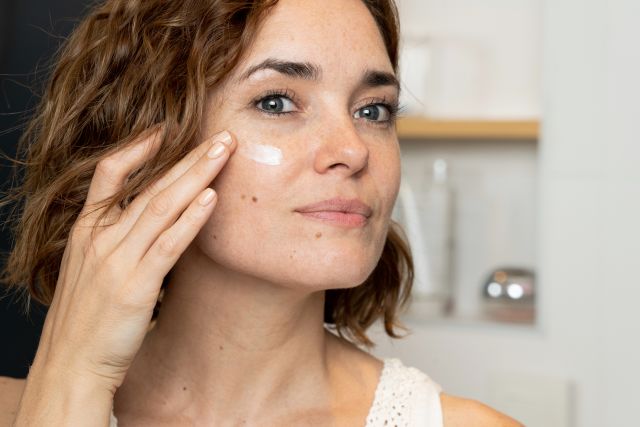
column 112, row 171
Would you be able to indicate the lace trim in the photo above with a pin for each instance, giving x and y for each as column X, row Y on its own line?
column 401, row 394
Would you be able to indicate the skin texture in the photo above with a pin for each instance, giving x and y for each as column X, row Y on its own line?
column 245, row 301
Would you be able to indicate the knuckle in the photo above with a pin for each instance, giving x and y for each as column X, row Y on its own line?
column 155, row 187
column 193, row 217
column 107, row 167
column 108, row 170
column 202, row 171
column 167, row 245
column 159, row 206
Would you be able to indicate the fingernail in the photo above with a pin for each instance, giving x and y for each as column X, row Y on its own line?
column 216, row 150
column 207, row 197
column 224, row 137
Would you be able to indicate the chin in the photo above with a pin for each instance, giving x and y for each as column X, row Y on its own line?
column 335, row 265
column 335, row 272
column 296, row 263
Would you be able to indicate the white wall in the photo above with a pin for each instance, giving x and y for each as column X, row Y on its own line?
column 483, row 57
column 588, row 241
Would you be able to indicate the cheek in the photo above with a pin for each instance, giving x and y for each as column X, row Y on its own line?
column 252, row 202
column 240, row 217
column 387, row 177
column 245, row 190
column 253, row 228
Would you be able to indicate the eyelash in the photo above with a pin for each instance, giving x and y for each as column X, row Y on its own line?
column 393, row 107
column 285, row 93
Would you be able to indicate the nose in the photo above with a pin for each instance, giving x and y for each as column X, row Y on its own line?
column 341, row 148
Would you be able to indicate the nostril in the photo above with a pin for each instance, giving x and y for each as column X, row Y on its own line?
column 338, row 164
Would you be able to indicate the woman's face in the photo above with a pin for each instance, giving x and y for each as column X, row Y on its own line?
column 311, row 105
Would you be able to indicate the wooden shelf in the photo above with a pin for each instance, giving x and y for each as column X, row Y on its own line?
column 423, row 128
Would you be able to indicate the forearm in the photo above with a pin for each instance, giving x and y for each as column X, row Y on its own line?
column 53, row 398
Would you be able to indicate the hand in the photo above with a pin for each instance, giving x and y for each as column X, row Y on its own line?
column 109, row 282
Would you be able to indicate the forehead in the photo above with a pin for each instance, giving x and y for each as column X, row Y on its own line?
column 339, row 35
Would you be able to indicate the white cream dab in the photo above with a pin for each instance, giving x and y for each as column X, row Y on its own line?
column 261, row 153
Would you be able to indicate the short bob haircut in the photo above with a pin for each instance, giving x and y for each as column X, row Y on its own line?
column 130, row 65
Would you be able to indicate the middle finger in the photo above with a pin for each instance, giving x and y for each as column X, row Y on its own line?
column 137, row 206
column 163, row 209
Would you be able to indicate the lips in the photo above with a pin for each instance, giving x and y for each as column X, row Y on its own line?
column 338, row 211
column 341, row 205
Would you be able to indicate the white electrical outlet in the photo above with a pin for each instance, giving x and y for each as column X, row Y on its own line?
column 535, row 401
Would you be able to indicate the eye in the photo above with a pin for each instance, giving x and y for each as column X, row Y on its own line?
column 276, row 104
column 374, row 113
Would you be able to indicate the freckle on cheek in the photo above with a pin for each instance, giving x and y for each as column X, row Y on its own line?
column 318, row 235
column 254, row 198
column 215, row 237
column 242, row 196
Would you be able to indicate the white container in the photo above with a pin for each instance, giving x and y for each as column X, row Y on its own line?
column 438, row 229
column 426, row 216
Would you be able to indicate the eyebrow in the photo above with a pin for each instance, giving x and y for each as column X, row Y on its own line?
column 373, row 78
column 309, row 71
column 301, row 70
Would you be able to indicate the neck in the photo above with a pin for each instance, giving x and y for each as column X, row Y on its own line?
column 225, row 343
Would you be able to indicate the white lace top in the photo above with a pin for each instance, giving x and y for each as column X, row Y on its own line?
column 404, row 397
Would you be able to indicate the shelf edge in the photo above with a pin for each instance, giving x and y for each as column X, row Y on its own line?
column 423, row 128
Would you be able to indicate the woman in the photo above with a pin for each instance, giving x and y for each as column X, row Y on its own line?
column 287, row 109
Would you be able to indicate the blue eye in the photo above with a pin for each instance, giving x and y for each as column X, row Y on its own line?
column 276, row 104
column 374, row 113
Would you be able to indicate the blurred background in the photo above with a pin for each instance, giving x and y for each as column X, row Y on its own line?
column 30, row 33
column 520, row 197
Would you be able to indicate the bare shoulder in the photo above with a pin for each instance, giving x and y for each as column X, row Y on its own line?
column 458, row 411
column 10, row 394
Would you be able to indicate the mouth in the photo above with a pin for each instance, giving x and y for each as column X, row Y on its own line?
column 338, row 211
column 337, row 218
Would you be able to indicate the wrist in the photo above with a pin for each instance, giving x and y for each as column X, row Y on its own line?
column 56, row 372
column 59, row 396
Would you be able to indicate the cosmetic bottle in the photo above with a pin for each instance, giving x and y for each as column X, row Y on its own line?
column 425, row 213
column 437, row 219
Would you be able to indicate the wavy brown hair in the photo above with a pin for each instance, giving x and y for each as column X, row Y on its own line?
column 130, row 65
